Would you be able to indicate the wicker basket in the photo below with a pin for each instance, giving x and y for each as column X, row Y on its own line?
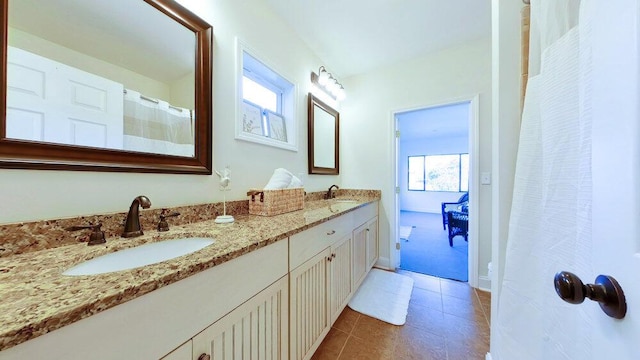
column 274, row 202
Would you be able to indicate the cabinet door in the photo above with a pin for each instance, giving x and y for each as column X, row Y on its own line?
column 372, row 242
column 340, row 283
column 257, row 329
column 308, row 305
column 183, row 352
column 360, row 255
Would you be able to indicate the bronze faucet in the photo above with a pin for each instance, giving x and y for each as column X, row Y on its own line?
column 132, row 226
column 329, row 194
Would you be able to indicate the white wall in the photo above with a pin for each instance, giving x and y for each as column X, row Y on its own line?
column 367, row 140
column 182, row 93
column 37, row 194
column 427, row 201
column 505, row 22
column 130, row 80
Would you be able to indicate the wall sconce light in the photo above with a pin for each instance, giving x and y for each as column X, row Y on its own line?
column 330, row 85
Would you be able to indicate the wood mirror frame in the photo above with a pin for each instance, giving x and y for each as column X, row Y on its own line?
column 21, row 154
column 313, row 104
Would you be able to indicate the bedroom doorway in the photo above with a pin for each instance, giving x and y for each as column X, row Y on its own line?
column 435, row 157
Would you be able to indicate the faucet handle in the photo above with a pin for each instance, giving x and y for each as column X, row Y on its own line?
column 97, row 235
column 163, row 225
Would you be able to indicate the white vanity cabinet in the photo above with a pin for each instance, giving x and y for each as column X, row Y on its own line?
column 340, row 277
column 320, row 282
column 359, row 254
column 327, row 264
column 308, row 305
column 257, row 329
column 372, row 242
column 276, row 302
column 156, row 324
column 365, row 242
column 183, row 352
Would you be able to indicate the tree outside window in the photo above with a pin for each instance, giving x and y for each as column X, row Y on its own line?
column 439, row 173
column 416, row 173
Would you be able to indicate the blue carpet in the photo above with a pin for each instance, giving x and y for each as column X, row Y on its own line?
column 427, row 251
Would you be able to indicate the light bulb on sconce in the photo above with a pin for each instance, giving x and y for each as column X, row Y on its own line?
column 332, row 86
column 323, row 76
column 325, row 81
column 341, row 94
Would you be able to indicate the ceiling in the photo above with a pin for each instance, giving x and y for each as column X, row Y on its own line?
column 351, row 37
column 357, row 36
column 437, row 122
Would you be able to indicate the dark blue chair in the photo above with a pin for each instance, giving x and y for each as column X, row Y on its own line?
column 458, row 223
column 462, row 206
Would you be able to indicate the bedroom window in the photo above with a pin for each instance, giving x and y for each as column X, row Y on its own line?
column 438, row 173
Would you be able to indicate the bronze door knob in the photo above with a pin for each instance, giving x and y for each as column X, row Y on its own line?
column 606, row 291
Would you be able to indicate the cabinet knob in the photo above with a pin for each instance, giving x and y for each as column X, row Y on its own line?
column 367, row 229
column 204, row 357
column 329, row 258
column 331, row 232
column 333, row 255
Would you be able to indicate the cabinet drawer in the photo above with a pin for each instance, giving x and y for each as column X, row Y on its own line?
column 304, row 245
column 363, row 214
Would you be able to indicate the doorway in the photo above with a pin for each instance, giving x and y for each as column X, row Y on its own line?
column 436, row 162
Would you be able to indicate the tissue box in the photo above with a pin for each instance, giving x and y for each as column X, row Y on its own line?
column 274, row 202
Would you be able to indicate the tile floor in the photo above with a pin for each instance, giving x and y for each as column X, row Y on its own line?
column 447, row 320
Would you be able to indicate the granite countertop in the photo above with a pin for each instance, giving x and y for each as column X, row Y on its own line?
column 37, row 298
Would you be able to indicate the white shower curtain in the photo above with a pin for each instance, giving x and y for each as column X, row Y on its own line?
column 154, row 126
column 549, row 229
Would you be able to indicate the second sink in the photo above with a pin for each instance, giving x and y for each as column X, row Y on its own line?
column 138, row 256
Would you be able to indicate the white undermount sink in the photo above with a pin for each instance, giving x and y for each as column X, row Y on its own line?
column 138, row 256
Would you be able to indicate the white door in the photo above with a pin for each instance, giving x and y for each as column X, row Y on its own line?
column 50, row 101
column 616, row 173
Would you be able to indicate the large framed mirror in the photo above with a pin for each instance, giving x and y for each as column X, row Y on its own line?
column 105, row 85
column 324, row 138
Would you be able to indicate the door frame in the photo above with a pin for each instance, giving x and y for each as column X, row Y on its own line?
column 474, row 180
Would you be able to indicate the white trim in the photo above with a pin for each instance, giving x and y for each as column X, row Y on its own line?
column 291, row 117
column 383, row 263
column 474, row 188
column 484, row 283
column 394, row 227
column 474, row 180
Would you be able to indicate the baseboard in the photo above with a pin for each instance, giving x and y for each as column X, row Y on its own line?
column 384, row 263
column 488, row 357
column 484, row 283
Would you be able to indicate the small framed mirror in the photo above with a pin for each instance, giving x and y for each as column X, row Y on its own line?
column 324, row 136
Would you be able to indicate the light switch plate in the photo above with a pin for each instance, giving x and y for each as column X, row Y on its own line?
column 485, row 178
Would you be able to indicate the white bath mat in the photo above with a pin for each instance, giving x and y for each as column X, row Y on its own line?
column 405, row 232
column 384, row 295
